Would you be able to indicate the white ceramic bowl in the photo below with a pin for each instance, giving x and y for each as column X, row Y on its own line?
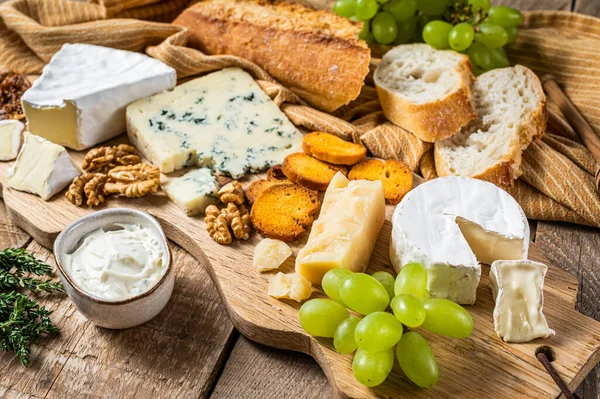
column 114, row 314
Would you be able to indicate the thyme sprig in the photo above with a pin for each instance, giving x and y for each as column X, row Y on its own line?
column 22, row 319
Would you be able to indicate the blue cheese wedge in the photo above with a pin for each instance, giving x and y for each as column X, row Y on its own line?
column 518, row 289
column 10, row 139
column 223, row 121
column 42, row 168
column 80, row 99
column 194, row 191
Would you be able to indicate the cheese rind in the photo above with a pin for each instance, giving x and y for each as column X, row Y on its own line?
column 518, row 290
column 449, row 225
column 42, row 168
column 345, row 233
column 193, row 191
column 80, row 98
column 223, row 121
column 10, row 139
column 269, row 254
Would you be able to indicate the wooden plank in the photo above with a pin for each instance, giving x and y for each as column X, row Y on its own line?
column 589, row 7
column 257, row 371
column 177, row 354
column 536, row 4
column 577, row 250
column 10, row 234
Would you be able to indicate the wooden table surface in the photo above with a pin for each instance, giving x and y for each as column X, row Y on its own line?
column 88, row 361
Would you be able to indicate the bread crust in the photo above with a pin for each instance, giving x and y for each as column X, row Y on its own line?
column 332, row 149
column 505, row 173
column 433, row 120
column 325, row 70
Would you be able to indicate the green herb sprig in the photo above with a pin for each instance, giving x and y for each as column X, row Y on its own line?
column 22, row 319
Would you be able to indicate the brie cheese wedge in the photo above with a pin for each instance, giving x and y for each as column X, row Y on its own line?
column 80, row 99
column 518, row 289
column 42, row 168
column 10, row 139
column 450, row 224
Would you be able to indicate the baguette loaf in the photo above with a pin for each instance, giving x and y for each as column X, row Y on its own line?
column 511, row 112
column 425, row 91
column 316, row 54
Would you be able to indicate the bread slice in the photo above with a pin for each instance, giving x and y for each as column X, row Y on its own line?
column 332, row 149
column 310, row 172
column 425, row 91
column 396, row 177
column 284, row 211
column 315, row 53
column 511, row 113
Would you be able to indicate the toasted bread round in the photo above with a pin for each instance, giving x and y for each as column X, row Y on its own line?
column 275, row 173
column 283, row 211
column 332, row 149
column 396, row 177
column 256, row 188
column 310, row 172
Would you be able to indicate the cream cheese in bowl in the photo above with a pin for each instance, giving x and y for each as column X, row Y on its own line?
column 118, row 262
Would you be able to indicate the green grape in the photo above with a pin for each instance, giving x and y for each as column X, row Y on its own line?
column 513, row 33
column 447, row 318
column 417, row 360
column 332, row 281
column 384, row 28
column 382, row 1
column 491, row 35
column 321, row 317
column 480, row 4
column 372, row 368
column 365, row 9
column 387, row 280
column 505, row 16
column 409, row 310
column 378, row 331
column 435, row 33
column 343, row 339
column 406, row 30
column 480, row 56
column 426, row 295
column 344, row 8
column 363, row 294
column 432, row 7
column 401, row 10
column 365, row 33
column 412, row 279
column 499, row 58
column 461, row 36
column 422, row 21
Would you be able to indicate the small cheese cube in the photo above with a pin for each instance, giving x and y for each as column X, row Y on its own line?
column 42, row 168
column 518, row 289
column 10, row 139
column 289, row 286
column 270, row 254
column 344, row 236
column 193, row 191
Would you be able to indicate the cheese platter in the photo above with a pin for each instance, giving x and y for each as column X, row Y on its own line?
column 309, row 250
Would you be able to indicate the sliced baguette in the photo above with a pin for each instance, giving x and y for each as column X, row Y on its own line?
column 511, row 113
column 315, row 53
column 425, row 91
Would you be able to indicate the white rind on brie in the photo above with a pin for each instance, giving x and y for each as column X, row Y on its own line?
column 518, row 290
column 81, row 96
column 449, row 225
column 42, row 168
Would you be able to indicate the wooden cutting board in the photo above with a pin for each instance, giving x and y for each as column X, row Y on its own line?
column 480, row 366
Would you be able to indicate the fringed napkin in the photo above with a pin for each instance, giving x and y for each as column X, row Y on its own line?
column 557, row 170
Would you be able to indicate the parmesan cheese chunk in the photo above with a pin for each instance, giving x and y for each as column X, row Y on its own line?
column 270, row 254
column 289, row 286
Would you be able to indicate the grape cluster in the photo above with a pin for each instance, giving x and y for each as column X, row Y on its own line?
column 471, row 27
column 374, row 336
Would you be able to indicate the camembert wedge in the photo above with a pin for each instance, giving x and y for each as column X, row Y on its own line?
column 451, row 224
column 80, row 99
column 10, row 139
column 42, row 168
column 344, row 236
column 518, row 289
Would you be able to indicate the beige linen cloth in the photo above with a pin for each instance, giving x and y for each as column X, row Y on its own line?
column 557, row 180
